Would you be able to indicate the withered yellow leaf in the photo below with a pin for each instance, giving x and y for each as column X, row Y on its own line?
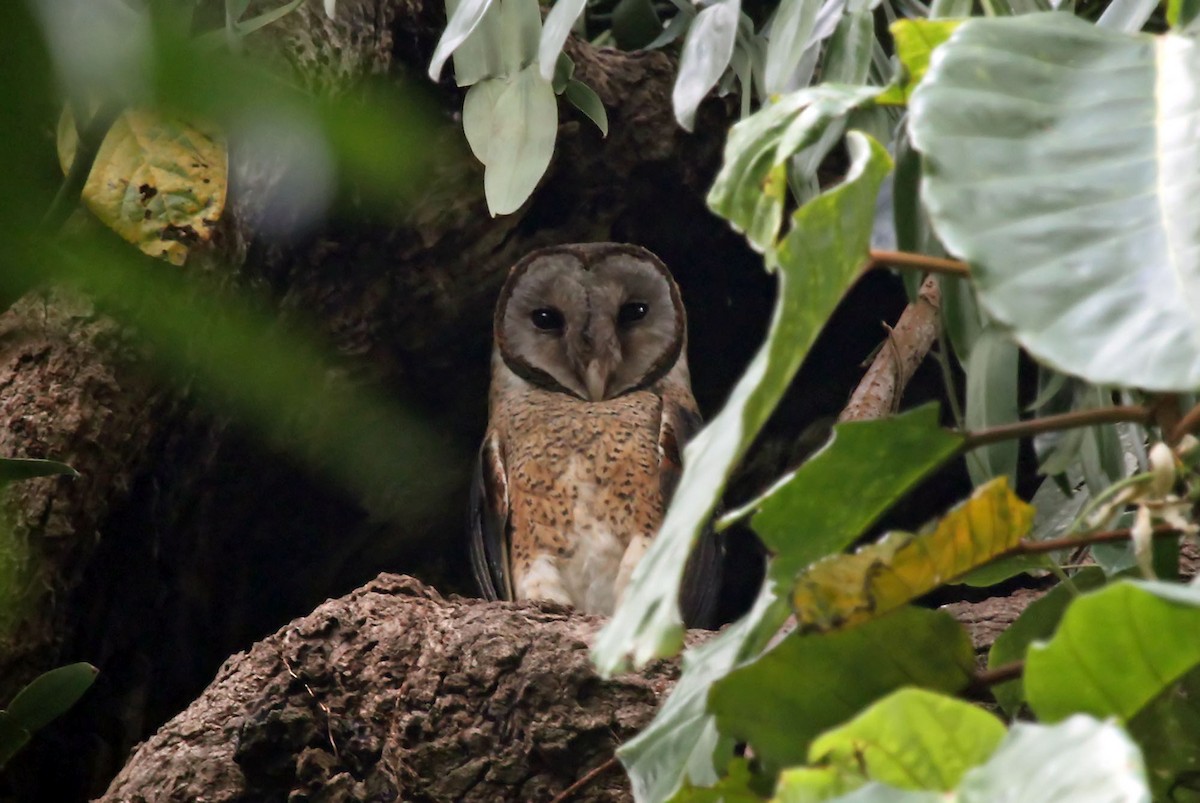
column 157, row 181
column 844, row 590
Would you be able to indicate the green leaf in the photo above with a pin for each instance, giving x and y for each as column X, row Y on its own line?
column 992, row 400
column 1080, row 760
column 520, row 35
column 733, row 788
column 1181, row 13
column 555, row 31
column 1037, row 622
column 680, row 744
column 812, row 785
column 751, row 189
column 706, row 54
column 584, row 98
column 1049, row 217
column 464, row 18
column 1127, row 15
column 843, row 590
column 1116, row 650
column 915, row 42
column 809, row 683
column 913, row 739
column 1168, row 731
column 818, row 262
column 848, row 57
column 12, row 738
column 49, row 696
column 635, row 24
column 791, row 32
column 910, row 445
column 15, row 469
column 511, row 125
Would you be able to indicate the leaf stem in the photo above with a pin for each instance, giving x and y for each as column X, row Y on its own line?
column 1074, row 541
column 90, row 138
column 1054, row 423
column 907, row 259
column 983, row 678
column 584, row 781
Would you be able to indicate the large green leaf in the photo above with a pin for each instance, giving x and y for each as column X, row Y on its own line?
column 819, row 260
column 1116, row 650
column 464, row 17
column 1061, row 162
column 914, row 739
column 809, row 683
column 680, row 744
column 14, row 469
column 808, row 515
column 751, row 189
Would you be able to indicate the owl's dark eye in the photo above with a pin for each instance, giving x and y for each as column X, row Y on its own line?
column 631, row 312
column 547, row 318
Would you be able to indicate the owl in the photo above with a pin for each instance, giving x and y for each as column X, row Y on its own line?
column 589, row 408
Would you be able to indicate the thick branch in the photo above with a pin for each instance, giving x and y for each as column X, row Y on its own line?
column 881, row 388
column 394, row 693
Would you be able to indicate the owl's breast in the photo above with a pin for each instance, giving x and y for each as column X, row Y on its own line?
column 583, row 482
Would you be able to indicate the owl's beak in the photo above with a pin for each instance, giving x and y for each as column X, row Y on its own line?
column 596, row 377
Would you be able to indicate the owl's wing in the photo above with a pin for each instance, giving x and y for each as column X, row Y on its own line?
column 489, row 523
column 702, row 575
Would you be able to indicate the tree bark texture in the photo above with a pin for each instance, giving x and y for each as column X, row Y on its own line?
column 396, row 693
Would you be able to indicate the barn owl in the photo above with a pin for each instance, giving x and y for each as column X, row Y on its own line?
column 589, row 408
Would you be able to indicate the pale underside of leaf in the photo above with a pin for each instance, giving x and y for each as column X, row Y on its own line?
column 706, row 54
column 1061, row 162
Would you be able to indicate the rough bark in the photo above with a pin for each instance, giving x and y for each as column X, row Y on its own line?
column 395, row 693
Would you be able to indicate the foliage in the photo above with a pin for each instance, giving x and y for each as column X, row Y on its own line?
column 1053, row 154
column 46, row 698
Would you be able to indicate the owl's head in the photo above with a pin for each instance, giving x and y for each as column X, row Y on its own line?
column 595, row 321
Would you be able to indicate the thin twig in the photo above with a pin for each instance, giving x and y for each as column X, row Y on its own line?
column 983, row 678
column 92, row 135
column 1087, row 539
column 905, row 259
column 584, row 781
column 1187, row 425
column 1053, row 423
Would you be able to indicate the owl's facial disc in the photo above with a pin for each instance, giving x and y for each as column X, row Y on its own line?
column 589, row 322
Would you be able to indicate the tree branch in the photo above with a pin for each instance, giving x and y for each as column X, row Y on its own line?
column 881, row 388
column 929, row 264
column 1053, row 423
column 1187, row 425
column 1076, row 541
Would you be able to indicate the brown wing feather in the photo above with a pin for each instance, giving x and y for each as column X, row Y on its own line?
column 702, row 575
column 489, row 524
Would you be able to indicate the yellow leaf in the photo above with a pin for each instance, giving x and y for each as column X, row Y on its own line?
column 844, row 590
column 157, row 181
